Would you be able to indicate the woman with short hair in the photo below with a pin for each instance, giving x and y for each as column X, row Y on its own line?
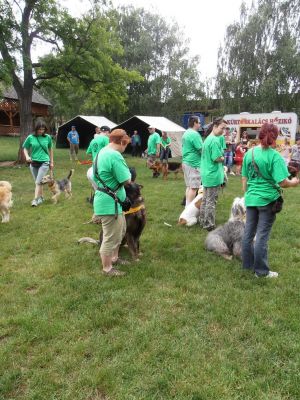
column 264, row 173
column 111, row 171
column 41, row 159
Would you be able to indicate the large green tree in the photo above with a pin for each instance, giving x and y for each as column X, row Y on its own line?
column 259, row 63
column 160, row 53
column 80, row 51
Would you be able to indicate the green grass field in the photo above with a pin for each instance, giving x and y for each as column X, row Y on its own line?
column 182, row 324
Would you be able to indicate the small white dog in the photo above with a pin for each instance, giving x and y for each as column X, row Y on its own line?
column 5, row 200
column 190, row 214
column 226, row 240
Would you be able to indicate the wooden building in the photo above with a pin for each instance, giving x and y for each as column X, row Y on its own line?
column 9, row 111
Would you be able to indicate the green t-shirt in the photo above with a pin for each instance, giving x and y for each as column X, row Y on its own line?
column 39, row 147
column 261, row 191
column 153, row 140
column 96, row 145
column 113, row 170
column 212, row 172
column 166, row 142
column 192, row 145
column 222, row 142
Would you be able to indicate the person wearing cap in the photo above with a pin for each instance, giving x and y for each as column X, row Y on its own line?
column 153, row 148
column 73, row 139
column 111, row 169
column 191, row 158
column 100, row 140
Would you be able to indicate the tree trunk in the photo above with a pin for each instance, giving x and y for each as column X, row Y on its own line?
column 25, row 122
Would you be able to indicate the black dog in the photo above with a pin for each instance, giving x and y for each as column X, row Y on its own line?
column 135, row 221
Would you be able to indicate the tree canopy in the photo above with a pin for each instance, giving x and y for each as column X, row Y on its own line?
column 259, row 63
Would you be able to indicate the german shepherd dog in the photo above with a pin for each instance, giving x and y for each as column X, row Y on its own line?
column 135, row 221
column 164, row 168
column 57, row 187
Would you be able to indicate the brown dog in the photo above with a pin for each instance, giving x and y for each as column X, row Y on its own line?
column 164, row 168
column 58, row 187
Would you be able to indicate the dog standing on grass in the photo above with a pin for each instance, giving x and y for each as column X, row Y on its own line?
column 57, row 187
column 5, row 200
column 226, row 240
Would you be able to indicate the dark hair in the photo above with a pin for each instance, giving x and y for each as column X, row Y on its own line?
column 268, row 134
column 40, row 125
column 216, row 122
column 192, row 120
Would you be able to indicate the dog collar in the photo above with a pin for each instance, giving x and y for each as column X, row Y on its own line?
column 134, row 209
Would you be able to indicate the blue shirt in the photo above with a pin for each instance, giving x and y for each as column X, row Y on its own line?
column 73, row 137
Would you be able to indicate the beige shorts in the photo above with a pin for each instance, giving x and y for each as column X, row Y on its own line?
column 113, row 232
column 192, row 176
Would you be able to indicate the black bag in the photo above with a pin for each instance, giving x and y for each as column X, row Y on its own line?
column 126, row 204
column 37, row 164
column 277, row 205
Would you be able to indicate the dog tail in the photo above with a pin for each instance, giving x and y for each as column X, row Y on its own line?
column 70, row 174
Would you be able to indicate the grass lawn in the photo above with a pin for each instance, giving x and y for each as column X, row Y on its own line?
column 182, row 324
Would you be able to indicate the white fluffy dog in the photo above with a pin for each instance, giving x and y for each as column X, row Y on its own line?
column 190, row 214
column 5, row 200
column 226, row 240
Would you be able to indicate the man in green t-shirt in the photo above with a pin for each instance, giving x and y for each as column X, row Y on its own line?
column 100, row 140
column 212, row 172
column 153, row 148
column 111, row 170
column 191, row 158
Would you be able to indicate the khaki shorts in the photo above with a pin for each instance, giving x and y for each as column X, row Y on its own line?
column 151, row 160
column 192, row 176
column 113, row 232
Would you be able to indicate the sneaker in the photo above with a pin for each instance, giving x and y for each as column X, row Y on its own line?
column 231, row 173
column 40, row 200
column 34, row 203
column 113, row 272
column 271, row 274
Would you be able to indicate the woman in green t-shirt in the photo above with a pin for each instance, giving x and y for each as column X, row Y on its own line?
column 41, row 146
column 264, row 172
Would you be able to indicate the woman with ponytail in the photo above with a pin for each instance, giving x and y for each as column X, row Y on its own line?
column 264, row 173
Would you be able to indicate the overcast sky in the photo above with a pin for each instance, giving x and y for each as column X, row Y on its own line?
column 204, row 22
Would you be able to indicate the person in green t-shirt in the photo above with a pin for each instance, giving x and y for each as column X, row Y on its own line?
column 212, row 172
column 164, row 148
column 41, row 146
column 153, row 148
column 100, row 140
column 264, row 172
column 111, row 169
column 191, row 158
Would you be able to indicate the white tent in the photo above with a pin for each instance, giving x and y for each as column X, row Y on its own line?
column 141, row 123
column 85, row 125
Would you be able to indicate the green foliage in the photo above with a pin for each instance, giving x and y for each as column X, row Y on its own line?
column 259, row 64
column 183, row 324
column 160, row 53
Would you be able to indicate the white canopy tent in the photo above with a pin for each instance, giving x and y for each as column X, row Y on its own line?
column 141, row 123
column 85, row 125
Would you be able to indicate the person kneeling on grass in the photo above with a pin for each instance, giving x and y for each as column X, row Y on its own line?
column 111, row 170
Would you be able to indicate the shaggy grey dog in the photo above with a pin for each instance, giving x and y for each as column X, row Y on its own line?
column 226, row 240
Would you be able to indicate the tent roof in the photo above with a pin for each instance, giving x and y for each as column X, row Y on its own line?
column 94, row 120
column 160, row 123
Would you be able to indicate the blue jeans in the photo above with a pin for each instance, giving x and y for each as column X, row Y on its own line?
column 259, row 221
column 228, row 159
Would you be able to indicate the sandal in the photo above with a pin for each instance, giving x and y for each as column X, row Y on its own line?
column 113, row 272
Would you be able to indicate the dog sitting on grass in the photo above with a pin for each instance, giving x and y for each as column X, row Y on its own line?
column 226, row 240
column 5, row 200
column 57, row 187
